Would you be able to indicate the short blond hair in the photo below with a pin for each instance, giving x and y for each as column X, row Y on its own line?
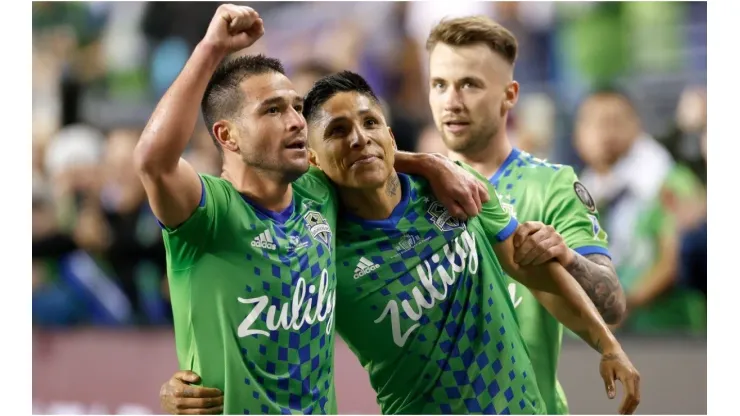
column 466, row 31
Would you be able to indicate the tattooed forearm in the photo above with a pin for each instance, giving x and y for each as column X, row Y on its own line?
column 391, row 187
column 599, row 280
column 595, row 343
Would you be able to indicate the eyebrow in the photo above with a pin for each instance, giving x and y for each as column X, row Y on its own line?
column 280, row 100
column 361, row 113
column 467, row 78
column 337, row 119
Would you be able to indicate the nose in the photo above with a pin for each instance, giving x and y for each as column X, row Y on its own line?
column 453, row 100
column 357, row 139
column 296, row 121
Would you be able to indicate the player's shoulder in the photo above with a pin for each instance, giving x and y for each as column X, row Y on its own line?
column 215, row 180
column 315, row 183
column 418, row 186
column 533, row 167
column 471, row 170
column 217, row 187
column 315, row 197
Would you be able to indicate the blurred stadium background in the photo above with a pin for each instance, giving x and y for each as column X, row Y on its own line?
column 102, row 335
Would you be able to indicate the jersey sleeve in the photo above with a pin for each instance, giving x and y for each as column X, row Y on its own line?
column 185, row 242
column 497, row 221
column 572, row 211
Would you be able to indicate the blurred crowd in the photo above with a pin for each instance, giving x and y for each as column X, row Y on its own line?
column 615, row 89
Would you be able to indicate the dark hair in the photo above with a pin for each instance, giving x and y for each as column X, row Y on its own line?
column 223, row 97
column 330, row 85
column 466, row 31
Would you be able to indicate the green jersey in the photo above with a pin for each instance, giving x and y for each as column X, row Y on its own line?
column 531, row 189
column 423, row 305
column 253, row 296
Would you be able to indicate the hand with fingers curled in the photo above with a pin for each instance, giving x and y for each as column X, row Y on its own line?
column 616, row 366
column 179, row 396
column 233, row 28
column 536, row 243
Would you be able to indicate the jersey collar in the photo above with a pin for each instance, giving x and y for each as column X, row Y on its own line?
column 512, row 157
column 397, row 214
column 280, row 217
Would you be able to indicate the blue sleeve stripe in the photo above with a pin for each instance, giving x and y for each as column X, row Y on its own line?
column 586, row 250
column 508, row 230
column 201, row 204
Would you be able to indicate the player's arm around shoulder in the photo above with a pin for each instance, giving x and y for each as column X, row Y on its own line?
column 576, row 237
column 455, row 186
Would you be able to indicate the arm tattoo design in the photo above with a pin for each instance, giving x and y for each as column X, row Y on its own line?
column 593, row 343
column 596, row 274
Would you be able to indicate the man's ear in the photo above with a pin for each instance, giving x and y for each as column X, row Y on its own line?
column 512, row 96
column 313, row 158
column 222, row 130
column 393, row 139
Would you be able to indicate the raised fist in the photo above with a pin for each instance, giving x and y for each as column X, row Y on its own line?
column 233, row 28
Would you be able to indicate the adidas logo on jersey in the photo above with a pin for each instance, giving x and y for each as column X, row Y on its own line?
column 264, row 240
column 364, row 266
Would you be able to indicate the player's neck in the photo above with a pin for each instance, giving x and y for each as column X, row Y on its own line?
column 373, row 204
column 489, row 159
column 267, row 191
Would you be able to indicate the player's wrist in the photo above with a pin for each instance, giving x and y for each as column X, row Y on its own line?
column 422, row 164
column 210, row 50
column 609, row 343
column 568, row 258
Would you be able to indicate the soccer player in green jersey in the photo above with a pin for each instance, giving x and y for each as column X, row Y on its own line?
column 472, row 90
column 421, row 296
column 250, row 255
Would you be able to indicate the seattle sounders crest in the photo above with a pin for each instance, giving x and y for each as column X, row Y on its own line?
column 318, row 227
column 441, row 218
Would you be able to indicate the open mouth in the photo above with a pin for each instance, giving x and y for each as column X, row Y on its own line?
column 456, row 127
column 296, row 146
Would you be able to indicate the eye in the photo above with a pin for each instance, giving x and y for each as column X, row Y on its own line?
column 273, row 110
column 298, row 108
column 371, row 122
column 467, row 85
column 337, row 131
column 437, row 85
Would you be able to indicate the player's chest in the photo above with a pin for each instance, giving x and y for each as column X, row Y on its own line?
column 416, row 270
column 308, row 234
column 396, row 299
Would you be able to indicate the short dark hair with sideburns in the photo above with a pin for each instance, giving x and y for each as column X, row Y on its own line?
column 331, row 85
column 223, row 97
